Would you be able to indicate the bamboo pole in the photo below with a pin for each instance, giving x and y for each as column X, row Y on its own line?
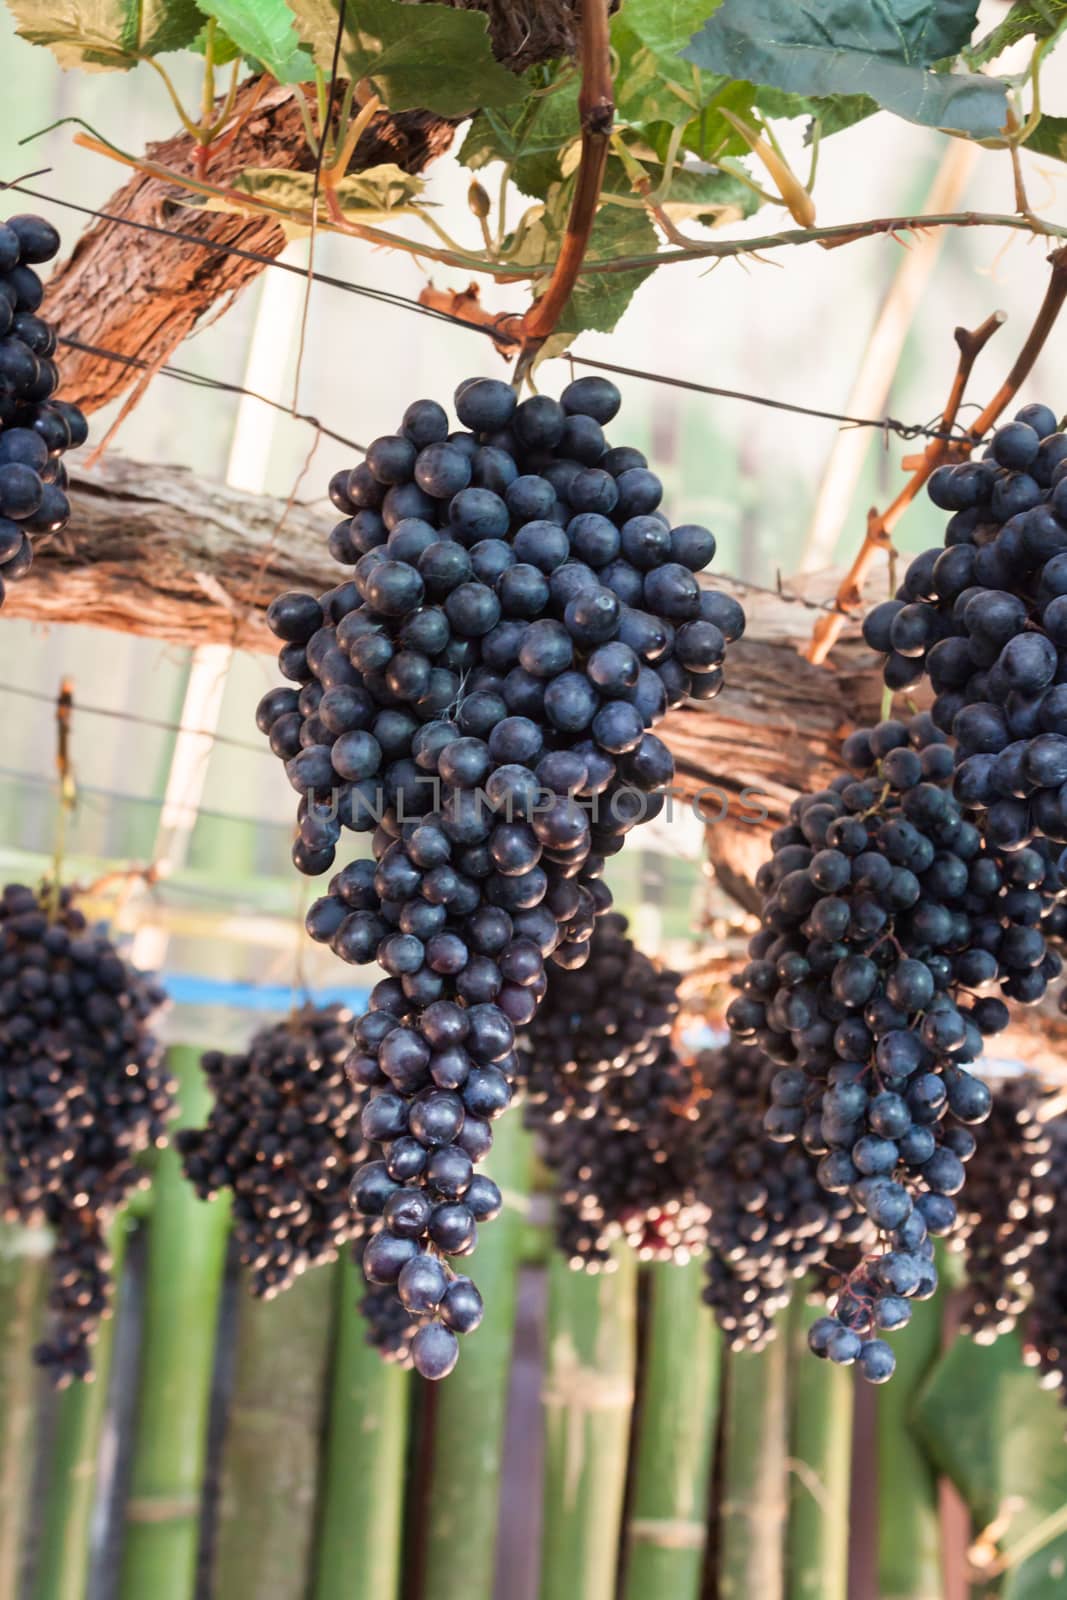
column 358, row 1551
column 270, row 1455
column 820, row 1462
column 587, row 1400
column 754, row 1498
column 909, row 1532
column 183, row 1280
column 464, row 1492
column 64, row 1554
column 675, row 1440
column 21, row 1285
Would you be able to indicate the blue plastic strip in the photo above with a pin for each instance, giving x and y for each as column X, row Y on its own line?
column 191, row 989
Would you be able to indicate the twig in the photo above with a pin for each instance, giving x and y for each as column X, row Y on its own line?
column 881, row 524
column 67, row 793
column 596, row 110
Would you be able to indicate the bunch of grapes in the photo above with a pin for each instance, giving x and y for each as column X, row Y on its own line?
column 479, row 695
column 83, row 1093
column 283, row 1136
column 884, row 911
column 35, row 430
column 1046, row 1322
column 769, row 1219
column 615, row 1107
column 1004, row 1217
column 604, row 1021
column 985, row 619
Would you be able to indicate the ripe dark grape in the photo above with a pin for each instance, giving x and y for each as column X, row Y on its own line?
column 35, row 429
column 85, row 1094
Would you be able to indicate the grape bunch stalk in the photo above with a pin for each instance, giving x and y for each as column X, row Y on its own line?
column 35, row 428
column 886, row 915
column 83, row 1094
column 479, row 695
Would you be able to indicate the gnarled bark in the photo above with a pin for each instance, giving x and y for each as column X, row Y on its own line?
column 158, row 551
column 139, row 294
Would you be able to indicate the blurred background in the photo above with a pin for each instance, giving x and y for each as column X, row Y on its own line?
column 224, row 922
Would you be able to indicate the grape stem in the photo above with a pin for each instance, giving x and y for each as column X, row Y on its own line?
column 596, row 110
column 880, row 524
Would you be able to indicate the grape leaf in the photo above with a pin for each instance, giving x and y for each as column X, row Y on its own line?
column 427, row 56
column 833, row 112
column 1041, row 19
column 652, row 83
column 849, row 47
column 373, row 195
column 533, row 138
column 223, row 49
column 708, row 197
column 598, row 299
column 264, row 30
column 106, row 34
column 1049, row 138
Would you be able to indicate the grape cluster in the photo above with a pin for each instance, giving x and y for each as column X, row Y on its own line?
column 769, row 1219
column 34, row 429
column 82, row 1094
column 1004, row 1215
column 283, row 1136
column 614, row 1106
column 885, row 911
column 480, row 693
column 985, row 618
column 1046, row 1323
column 605, row 1021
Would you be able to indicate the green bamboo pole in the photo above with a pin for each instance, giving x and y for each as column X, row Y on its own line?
column 675, row 1440
column 183, row 1278
column 820, row 1452
column 588, row 1396
column 21, row 1284
column 754, row 1485
column 464, row 1493
column 66, row 1531
column 359, row 1550
column 270, row 1456
column 909, row 1524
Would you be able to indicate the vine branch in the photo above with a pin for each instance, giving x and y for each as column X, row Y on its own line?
column 596, row 110
column 881, row 524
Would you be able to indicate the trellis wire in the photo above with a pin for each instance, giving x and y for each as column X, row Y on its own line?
column 886, row 425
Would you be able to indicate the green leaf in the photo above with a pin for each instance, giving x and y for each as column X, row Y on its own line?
column 533, row 138
column 652, row 83
column 961, row 1416
column 852, row 47
column 223, row 49
column 266, row 31
column 427, row 56
column 833, row 112
column 708, row 197
column 1040, row 19
column 106, row 34
column 1049, row 138
column 598, row 300
column 376, row 194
